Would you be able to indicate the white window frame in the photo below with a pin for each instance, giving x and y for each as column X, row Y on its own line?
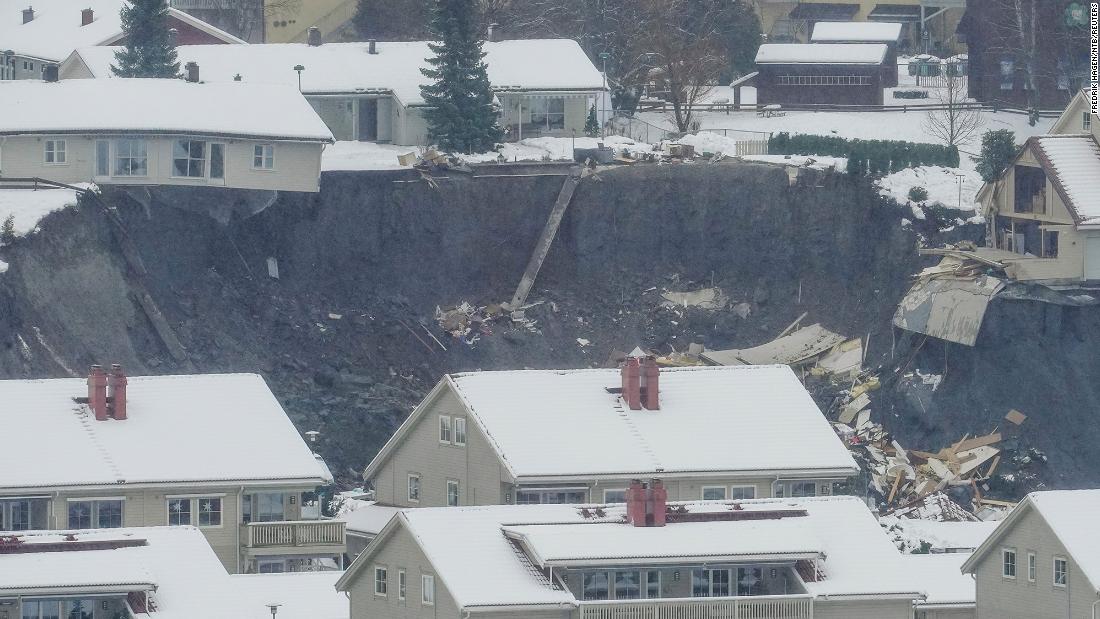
column 703, row 493
column 1086, row 120
column 265, row 155
column 381, row 585
column 1032, row 566
column 195, row 505
column 205, row 159
column 646, row 582
column 1004, row 563
column 458, row 497
column 419, row 489
column 58, row 149
column 116, row 155
column 94, row 515
column 427, row 589
column 460, row 422
column 445, row 433
column 743, row 487
column 613, row 584
column 609, row 490
column 1054, row 572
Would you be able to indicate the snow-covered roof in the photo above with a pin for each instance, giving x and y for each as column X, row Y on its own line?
column 158, row 106
column 821, row 53
column 229, row 428
column 366, row 517
column 940, row 578
column 1072, row 516
column 56, row 29
column 348, row 68
column 852, row 31
column 939, row 535
column 1075, row 163
column 855, row 556
column 178, row 568
column 720, row 420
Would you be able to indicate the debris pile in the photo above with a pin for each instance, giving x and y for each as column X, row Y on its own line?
column 813, row 349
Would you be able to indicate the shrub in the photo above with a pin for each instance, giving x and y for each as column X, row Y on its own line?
column 998, row 149
column 7, row 231
column 918, row 194
column 910, row 94
column 882, row 155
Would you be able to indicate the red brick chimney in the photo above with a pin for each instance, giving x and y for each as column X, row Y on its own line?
column 87, row 16
column 631, row 374
column 116, row 391
column 636, row 503
column 97, row 392
column 658, row 504
column 650, row 384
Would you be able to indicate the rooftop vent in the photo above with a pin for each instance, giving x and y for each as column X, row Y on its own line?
column 28, row 14
column 192, row 69
column 87, row 16
column 372, row 46
column 313, row 37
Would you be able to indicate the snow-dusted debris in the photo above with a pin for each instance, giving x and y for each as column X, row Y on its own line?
column 1076, row 163
column 821, row 53
column 910, row 534
column 243, row 432
column 878, row 32
column 158, row 106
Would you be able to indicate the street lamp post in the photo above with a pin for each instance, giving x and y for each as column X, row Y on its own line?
column 603, row 96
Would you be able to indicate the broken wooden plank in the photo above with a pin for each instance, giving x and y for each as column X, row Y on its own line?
column 975, row 458
column 1016, row 416
column 993, row 466
column 940, row 469
column 546, row 239
column 849, row 410
column 980, row 441
column 894, row 489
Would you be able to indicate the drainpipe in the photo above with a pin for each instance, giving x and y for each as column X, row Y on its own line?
column 240, row 493
column 1094, row 604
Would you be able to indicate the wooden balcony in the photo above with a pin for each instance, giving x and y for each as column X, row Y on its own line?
column 295, row 533
column 753, row 607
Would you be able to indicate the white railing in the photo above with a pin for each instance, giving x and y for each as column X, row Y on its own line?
column 754, row 607
column 296, row 533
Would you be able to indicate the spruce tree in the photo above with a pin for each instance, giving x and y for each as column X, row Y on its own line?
column 460, row 116
column 592, row 124
column 149, row 49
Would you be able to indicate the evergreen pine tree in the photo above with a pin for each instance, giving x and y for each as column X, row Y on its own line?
column 592, row 124
column 149, row 50
column 7, row 231
column 460, row 116
column 998, row 150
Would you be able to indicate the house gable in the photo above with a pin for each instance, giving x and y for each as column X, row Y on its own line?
column 1071, row 120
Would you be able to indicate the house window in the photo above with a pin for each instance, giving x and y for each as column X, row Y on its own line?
column 804, row 488
column 1060, row 570
column 452, row 493
column 380, row 583
column 203, row 511
column 614, row 496
column 57, row 609
column 710, row 583
column 741, row 493
column 548, row 113
column 23, row 514
column 263, row 157
column 264, row 507
column 402, row 587
column 1008, row 73
column 1086, row 120
column 131, row 158
column 595, row 585
column 460, row 430
column 414, row 487
column 714, row 493
column 427, row 589
column 750, row 581
column 1031, row 567
column 444, row 429
column 91, row 514
column 1050, row 244
column 55, row 152
column 189, row 159
column 534, row 497
column 628, row 585
column 653, row 584
column 1008, row 563
column 217, row 161
column 271, row 566
column 102, row 158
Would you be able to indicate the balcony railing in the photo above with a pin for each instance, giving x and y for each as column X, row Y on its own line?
column 755, row 607
column 295, row 533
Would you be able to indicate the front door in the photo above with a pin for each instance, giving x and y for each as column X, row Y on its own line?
column 1092, row 257
column 368, row 120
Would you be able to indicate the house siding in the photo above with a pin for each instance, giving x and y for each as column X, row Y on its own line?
column 398, row 551
column 297, row 164
column 944, row 613
column 864, row 609
column 1004, row 598
column 769, row 91
column 475, row 467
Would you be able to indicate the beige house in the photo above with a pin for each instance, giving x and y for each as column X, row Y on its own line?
column 161, row 132
column 819, row 558
column 212, row 451
column 371, row 91
column 153, row 572
column 1043, row 560
column 580, row 436
column 289, row 22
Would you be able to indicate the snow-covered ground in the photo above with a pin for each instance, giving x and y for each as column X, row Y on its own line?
column 363, row 156
column 942, row 185
column 27, row 206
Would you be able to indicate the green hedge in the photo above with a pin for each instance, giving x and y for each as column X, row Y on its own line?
column 866, row 156
column 910, row 94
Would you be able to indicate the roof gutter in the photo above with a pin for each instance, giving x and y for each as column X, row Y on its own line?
column 823, row 473
column 168, row 134
column 843, row 597
column 681, row 560
column 83, row 589
column 491, row 608
column 228, row 483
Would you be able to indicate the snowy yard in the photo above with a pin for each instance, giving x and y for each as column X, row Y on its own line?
column 27, row 206
column 943, row 185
